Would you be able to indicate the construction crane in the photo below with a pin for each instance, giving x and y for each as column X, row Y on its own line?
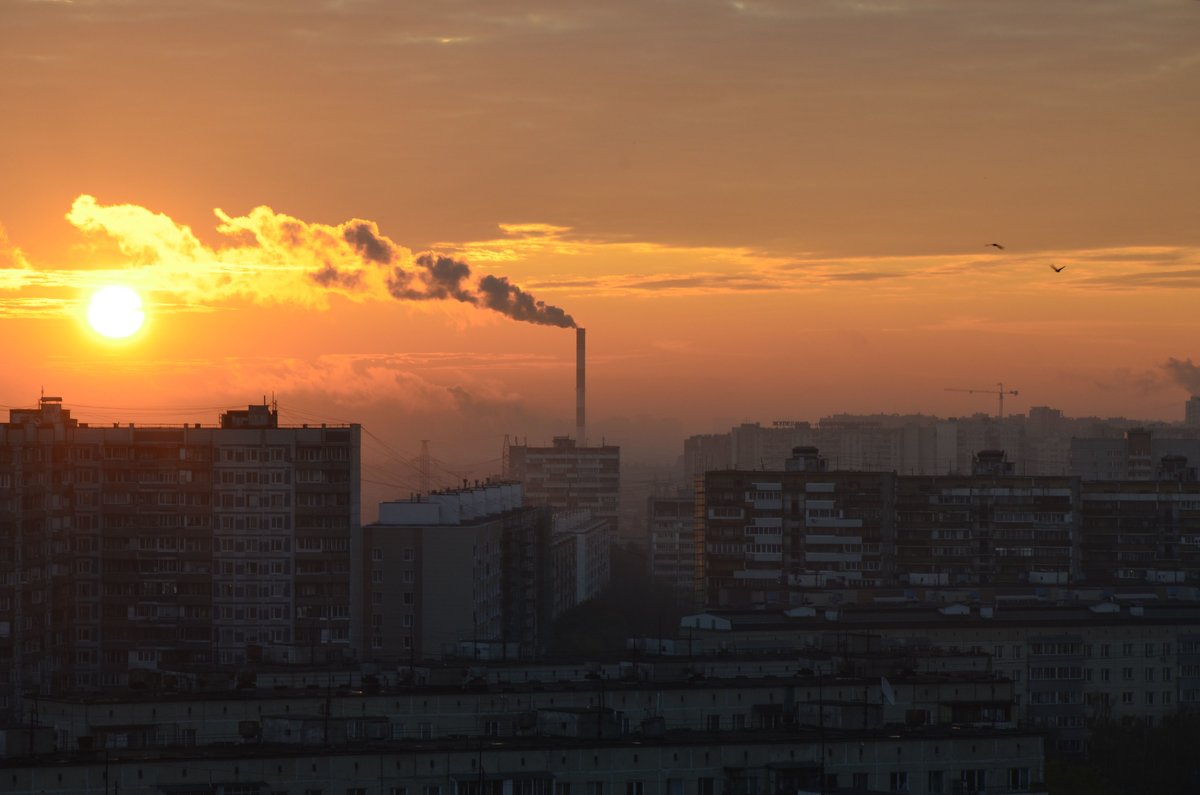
column 998, row 392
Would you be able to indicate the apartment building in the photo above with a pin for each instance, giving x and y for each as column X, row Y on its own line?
column 1073, row 661
column 672, row 526
column 127, row 547
column 592, row 539
column 765, row 534
column 990, row 527
column 456, row 573
column 692, row 763
column 1135, row 455
column 777, row 537
column 1142, row 531
column 568, row 476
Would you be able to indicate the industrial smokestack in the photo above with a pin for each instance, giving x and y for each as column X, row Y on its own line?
column 580, row 386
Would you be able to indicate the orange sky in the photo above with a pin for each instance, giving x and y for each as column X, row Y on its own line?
column 760, row 210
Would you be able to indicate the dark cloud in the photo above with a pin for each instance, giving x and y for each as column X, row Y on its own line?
column 508, row 299
column 1184, row 373
column 365, row 237
column 330, row 276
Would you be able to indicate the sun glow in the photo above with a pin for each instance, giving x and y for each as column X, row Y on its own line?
column 116, row 312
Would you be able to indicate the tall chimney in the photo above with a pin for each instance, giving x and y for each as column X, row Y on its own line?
column 580, row 384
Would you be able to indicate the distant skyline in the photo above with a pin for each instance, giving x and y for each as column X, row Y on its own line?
column 759, row 210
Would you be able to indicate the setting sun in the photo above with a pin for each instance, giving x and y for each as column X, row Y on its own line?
column 116, row 312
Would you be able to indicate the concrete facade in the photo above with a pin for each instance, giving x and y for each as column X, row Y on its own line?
column 567, row 477
column 461, row 567
column 127, row 549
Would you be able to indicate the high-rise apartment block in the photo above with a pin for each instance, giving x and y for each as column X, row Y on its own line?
column 672, row 525
column 988, row 527
column 1136, row 455
column 569, row 477
column 766, row 533
column 127, row 548
column 766, row 537
column 456, row 574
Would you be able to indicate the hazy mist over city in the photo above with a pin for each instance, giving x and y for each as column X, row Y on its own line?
column 645, row 397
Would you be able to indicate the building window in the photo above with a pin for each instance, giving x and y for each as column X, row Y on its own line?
column 974, row 780
column 936, row 783
column 633, row 788
column 898, row 781
column 1018, row 779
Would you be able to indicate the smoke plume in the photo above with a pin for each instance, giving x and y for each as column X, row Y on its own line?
column 1184, row 373
column 440, row 278
column 271, row 257
column 499, row 294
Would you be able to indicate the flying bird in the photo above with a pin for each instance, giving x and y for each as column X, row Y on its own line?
column 1057, row 268
column 997, row 245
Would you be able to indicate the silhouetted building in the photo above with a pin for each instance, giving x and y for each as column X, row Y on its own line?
column 753, row 446
column 455, row 574
column 673, row 553
column 568, row 477
column 1137, row 455
column 1191, row 412
column 592, row 538
column 766, row 533
column 1142, row 531
column 705, row 452
column 988, row 528
column 127, row 548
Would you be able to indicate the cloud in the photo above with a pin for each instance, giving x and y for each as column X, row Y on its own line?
column 271, row 257
column 1187, row 277
column 11, row 257
column 1184, row 373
